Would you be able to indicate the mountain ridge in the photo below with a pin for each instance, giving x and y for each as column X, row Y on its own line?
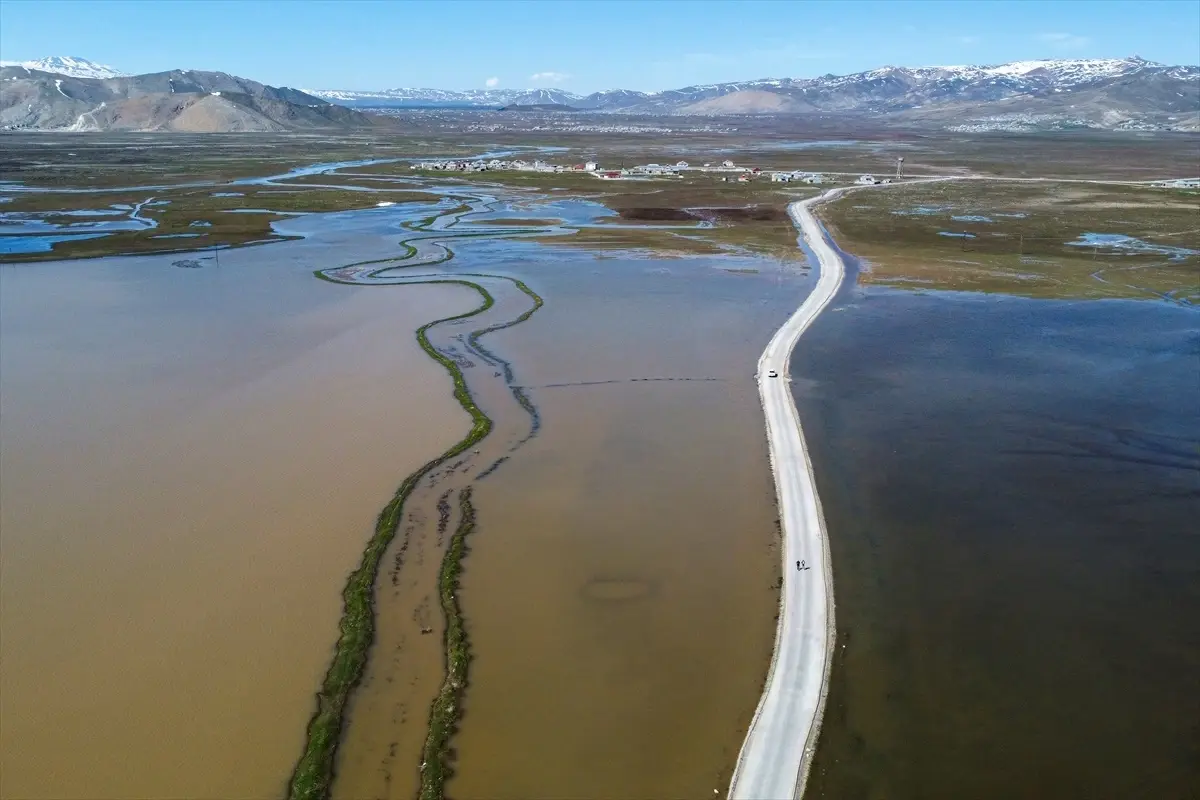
column 71, row 93
column 1169, row 94
column 71, row 66
column 176, row 100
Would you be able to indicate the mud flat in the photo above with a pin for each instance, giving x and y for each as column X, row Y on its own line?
column 186, row 454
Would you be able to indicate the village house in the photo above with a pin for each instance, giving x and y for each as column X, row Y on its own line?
column 867, row 180
column 1178, row 183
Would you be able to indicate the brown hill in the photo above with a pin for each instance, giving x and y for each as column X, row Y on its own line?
column 190, row 101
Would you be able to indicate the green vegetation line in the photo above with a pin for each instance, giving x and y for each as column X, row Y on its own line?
column 313, row 774
column 447, row 706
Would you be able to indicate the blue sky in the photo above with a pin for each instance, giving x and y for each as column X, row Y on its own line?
column 583, row 46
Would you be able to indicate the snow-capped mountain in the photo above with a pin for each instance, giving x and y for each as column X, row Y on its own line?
column 544, row 97
column 611, row 99
column 1047, row 82
column 1123, row 94
column 71, row 66
column 179, row 100
column 417, row 98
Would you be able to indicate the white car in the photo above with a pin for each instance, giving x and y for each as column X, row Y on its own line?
column 772, row 374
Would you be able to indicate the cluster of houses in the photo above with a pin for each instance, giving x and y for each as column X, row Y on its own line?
column 520, row 165
column 1178, row 183
column 797, row 177
column 744, row 174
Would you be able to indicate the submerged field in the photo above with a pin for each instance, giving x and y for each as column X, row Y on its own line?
column 602, row 544
column 1064, row 240
column 383, row 730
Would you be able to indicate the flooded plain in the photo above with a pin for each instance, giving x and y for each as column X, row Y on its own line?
column 192, row 460
column 1012, row 488
column 619, row 590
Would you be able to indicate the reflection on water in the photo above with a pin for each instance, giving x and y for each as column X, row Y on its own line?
column 41, row 243
column 1011, row 488
column 25, row 232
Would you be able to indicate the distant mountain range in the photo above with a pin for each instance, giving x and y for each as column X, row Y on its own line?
column 70, row 66
column 447, row 98
column 1124, row 94
column 1113, row 93
column 47, row 95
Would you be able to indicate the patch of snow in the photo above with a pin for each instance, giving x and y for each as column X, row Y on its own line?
column 58, row 85
column 70, row 66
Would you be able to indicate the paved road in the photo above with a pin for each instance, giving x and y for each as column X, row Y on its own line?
column 774, row 761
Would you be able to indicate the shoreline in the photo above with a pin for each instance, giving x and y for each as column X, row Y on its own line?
column 777, row 753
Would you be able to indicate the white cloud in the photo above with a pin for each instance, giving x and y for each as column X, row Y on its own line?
column 549, row 77
column 1065, row 41
column 492, row 83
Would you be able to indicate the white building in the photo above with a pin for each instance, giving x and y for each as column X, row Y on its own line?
column 781, row 177
column 681, row 165
column 1180, row 183
column 727, row 164
column 590, row 166
column 867, row 180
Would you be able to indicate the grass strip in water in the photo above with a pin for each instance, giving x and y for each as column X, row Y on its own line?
column 447, row 706
column 313, row 774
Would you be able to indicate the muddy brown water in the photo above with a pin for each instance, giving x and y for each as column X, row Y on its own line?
column 192, row 460
column 198, row 455
column 619, row 589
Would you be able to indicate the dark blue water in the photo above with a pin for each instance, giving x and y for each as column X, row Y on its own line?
column 1012, row 491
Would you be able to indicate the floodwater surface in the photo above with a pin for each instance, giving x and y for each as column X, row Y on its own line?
column 192, row 461
column 1011, row 488
column 620, row 588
